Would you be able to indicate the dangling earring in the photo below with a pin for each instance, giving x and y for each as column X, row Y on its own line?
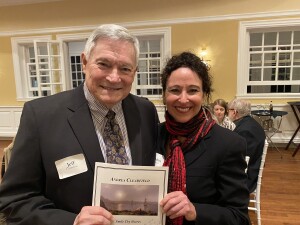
column 204, row 112
column 164, row 102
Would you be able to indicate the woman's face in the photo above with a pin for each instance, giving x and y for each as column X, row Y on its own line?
column 184, row 94
column 219, row 112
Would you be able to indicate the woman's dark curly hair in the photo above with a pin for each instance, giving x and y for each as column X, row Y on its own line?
column 193, row 62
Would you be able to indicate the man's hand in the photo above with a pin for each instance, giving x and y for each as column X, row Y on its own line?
column 94, row 215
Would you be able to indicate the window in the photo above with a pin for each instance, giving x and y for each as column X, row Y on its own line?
column 148, row 75
column 73, row 46
column 76, row 71
column 269, row 63
column 75, row 49
column 38, row 67
column 44, row 72
column 154, row 49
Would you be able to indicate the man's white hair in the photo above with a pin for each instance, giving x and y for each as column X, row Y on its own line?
column 243, row 107
column 113, row 32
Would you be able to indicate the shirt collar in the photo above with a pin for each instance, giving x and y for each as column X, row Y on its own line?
column 96, row 106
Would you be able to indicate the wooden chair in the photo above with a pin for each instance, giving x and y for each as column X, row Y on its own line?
column 254, row 204
column 6, row 157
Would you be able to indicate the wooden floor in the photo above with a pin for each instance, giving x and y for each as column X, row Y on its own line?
column 280, row 193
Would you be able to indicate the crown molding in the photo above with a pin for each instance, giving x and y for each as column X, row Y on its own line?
column 156, row 22
column 23, row 2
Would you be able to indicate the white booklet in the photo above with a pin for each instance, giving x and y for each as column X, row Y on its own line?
column 131, row 193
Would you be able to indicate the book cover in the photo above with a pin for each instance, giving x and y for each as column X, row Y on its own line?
column 131, row 193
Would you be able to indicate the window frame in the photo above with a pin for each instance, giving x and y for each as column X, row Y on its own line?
column 19, row 54
column 65, row 39
column 165, row 32
column 244, row 57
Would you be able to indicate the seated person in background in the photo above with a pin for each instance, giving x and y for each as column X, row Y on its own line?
column 220, row 111
column 207, row 179
column 239, row 112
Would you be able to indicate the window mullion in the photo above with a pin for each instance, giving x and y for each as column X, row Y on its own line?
column 292, row 56
column 38, row 78
column 50, row 69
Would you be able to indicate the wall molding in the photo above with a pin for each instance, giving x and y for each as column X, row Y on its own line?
column 9, row 120
column 157, row 22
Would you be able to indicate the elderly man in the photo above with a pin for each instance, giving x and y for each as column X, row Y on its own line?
column 71, row 128
column 239, row 112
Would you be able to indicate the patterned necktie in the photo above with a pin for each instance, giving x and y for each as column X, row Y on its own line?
column 113, row 139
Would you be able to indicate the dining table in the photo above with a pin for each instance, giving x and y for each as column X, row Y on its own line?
column 296, row 109
column 266, row 119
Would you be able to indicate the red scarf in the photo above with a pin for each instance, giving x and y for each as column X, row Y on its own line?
column 194, row 130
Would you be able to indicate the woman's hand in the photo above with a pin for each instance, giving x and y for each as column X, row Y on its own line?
column 176, row 204
column 95, row 215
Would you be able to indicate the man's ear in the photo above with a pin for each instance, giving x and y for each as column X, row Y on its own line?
column 236, row 116
column 84, row 61
column 136, row 69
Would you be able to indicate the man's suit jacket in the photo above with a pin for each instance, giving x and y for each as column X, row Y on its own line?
column 216, row 178
column 56, row 127
column 255, row 136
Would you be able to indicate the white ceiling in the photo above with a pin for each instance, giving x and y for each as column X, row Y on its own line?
column 23, row 2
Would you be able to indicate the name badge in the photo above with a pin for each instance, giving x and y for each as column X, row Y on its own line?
column 159, row 160
column 71, row 166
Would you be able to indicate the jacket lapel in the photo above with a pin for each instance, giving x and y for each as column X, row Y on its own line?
column 194, row 154
column 80, row 120
column 190, row 156
column 133, row 125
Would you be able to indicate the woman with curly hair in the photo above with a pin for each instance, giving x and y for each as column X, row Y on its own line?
column 207, row 180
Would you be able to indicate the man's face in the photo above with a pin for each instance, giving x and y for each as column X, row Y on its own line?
column 232, row 114
column 110, row 70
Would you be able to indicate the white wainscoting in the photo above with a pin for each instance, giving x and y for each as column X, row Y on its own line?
column 10, row 118
column 161, row 112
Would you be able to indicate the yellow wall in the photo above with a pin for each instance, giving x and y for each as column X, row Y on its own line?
column 219, row 37
column 87, row 12
column 220, row 40
column 7, row 80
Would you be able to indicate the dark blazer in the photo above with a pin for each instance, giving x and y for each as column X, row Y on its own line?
column 255, row 136
column 56, row 127
column 216, row 178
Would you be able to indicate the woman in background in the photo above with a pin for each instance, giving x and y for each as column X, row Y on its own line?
column 220, row 110
column 207, row 180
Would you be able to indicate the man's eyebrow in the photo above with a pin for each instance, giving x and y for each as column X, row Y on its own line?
column 121, row 63
column 127, row 65
column 102, row 59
